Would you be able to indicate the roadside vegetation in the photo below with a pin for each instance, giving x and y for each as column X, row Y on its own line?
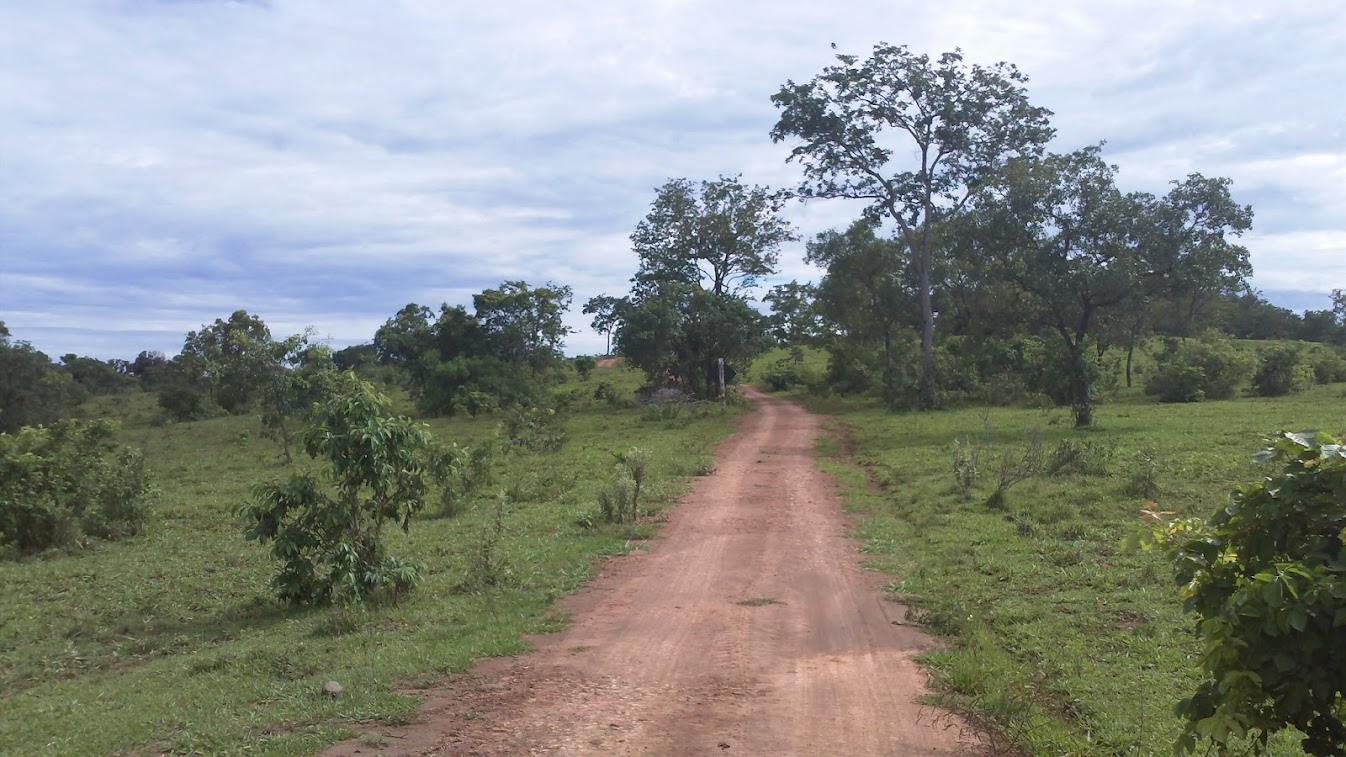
column 172, row 640
column 1061, row 640
column 1024, row 362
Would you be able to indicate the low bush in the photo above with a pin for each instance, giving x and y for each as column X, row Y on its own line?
column 966, row 466
column 1015, row 466
column 606, row 392
column 1088, row 458
column 1196, row 370
column 1282, row 371
column 65, row 483
column 1329, row 367
column 620, row 501
column 852, row 370
column 584, row 366
column 533, row 428
column 782, row 374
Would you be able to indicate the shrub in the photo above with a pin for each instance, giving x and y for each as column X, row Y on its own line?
column 782, row 374
column 966, row 466
column 606, row 392
column 995, row 371
column 486, row 567
column 584, row 366
column 66, row 483
column 620, row 501
column 471, row 385
column 1282, row 371
column 183, row 400
column 1198, row 370
column 532, row 428
column 1329, row 368
column 1265, row 576
column 1089, row 458
column 329, row 536
column 1015, row 466
column 851, row 370
column 1142, row 480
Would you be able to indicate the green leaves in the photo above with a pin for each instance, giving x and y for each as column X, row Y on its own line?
column 63, row 484
column 328, row 535
column 1267, row 576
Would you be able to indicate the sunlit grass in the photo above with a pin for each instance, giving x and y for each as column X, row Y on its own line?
column 1068, row 644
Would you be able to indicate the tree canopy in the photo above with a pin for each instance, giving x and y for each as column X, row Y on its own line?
column 857, row 122
column 722, row 234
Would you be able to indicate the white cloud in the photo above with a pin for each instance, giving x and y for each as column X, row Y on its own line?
column 326, row 161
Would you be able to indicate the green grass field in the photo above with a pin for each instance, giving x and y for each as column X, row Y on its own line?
column 1059, row 640
column 172, row 642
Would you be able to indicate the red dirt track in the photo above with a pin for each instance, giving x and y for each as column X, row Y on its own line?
column 748, row 628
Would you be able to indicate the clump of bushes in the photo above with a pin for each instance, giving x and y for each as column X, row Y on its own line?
column 1198, row 370
column 782, row 374
column 472, row 385
column 64, row 484
column 584, row 366
column 1329, row 367
column 1282, row 371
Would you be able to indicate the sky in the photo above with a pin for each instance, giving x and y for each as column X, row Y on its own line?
column 324, row 162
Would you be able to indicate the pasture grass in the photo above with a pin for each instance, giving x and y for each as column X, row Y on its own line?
column 171, row 641
column 1060, row 642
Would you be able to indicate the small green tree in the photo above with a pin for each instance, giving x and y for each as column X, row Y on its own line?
column 302, row 376
column 232, row 358
column 329, row 539
column 607, row 312
column 1266, row 575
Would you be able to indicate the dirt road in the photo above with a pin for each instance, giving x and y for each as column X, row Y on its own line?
column 749, row 628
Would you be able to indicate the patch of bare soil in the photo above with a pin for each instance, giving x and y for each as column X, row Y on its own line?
column 608, row 362
column 748, row 628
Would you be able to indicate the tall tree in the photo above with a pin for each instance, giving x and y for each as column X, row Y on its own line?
column 722, row 233
column 607, row 313
column 701, row 249
column 794, row 320
column 1062, row 232
column 864, row 296
column 524, row 324
column 405, row 337
column 964, row 121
